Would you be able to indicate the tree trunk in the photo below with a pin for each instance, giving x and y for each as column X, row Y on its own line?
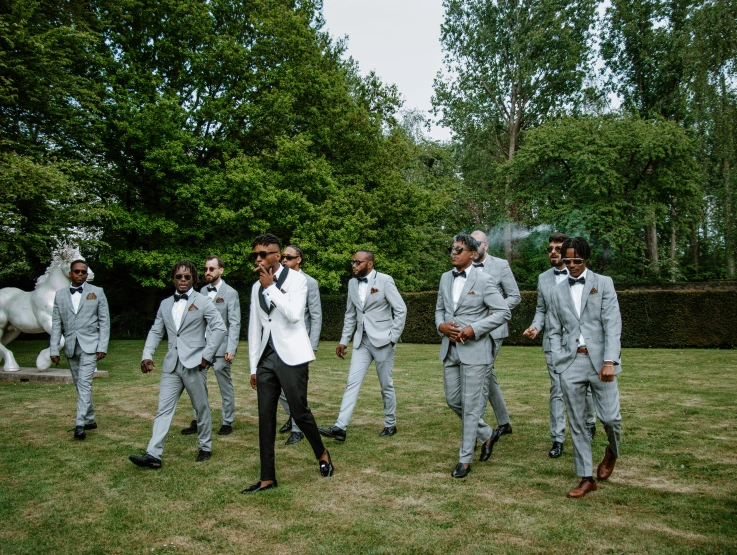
column 673, row 243
column 728, row 223
column 695, row 248
column 651, row 238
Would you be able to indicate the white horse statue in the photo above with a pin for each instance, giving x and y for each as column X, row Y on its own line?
column 30, row 312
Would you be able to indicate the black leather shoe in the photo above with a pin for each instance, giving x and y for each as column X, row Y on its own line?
column 556, row 451
column 460, row 471
column 333, row 432
column 388, row 431
column 203, row 456
column 191, row 429
column 79, row 432
column 225, row 429
column 294, row 437
column 503, row 430
column 591, row 432
column 255, row 488
column 146, row 461
column 91, row 426
column 487, row 447
column 287, row 426
column 327, row 468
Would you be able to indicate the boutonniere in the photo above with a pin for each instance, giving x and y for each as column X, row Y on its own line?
column 91, row 296
column 219, row 300
column 593, row 291
column 373, row 290
column 472, row 292
column 192, row 307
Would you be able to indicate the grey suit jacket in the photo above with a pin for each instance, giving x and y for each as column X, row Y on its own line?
column 229, row 306
column 600, row 323
column 90, row 326
column 545, row 285
column 382, row 317
column 188, row 343
column 499, row 270
column 313, row 311
column 480, row 306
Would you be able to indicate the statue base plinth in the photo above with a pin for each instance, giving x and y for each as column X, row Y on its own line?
column 52, row 375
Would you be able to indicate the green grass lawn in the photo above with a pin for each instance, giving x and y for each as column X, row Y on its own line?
column 673, row 489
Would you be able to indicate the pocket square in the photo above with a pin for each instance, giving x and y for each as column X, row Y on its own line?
column 593, row 291
column 374, row 290
column 91, row 296
column 192, row 307
column 471, row 293
column 219, row 300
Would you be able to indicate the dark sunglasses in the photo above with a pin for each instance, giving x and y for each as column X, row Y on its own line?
column 211, row 268
column 80, row 272
column 289, row 257
column 261, row 254
column 456, row 250
column 357, row 262
column 569, row 261
column 185, row 276
column 551, row 249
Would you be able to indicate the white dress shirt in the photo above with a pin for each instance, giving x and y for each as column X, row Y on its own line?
column 561, row 277
column 77, row 298
column 269, row 291
column 577, row 295
column 363, row 288
column 217, row 286
column 458, row 285
column 177, row 309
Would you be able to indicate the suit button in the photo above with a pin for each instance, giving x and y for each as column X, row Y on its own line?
column 269, row 319
column 177, row 335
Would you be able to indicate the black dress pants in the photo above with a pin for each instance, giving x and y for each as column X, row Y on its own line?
column 273, row 376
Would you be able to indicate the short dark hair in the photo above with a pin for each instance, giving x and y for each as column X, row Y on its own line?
column 558, row 237
column 78, row 261
column 219, row 260
column 266, row 239
column 189, row 266
column 579, row 245
column 465, row 238
column 369, row 253
column 299, row 252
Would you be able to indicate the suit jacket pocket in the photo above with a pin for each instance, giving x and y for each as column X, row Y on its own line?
column 197, row 344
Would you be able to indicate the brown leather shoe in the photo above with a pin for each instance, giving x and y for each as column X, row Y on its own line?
column 582, row 489
column 606, row 466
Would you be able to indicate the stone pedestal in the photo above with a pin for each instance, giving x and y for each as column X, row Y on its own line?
column 52, row 375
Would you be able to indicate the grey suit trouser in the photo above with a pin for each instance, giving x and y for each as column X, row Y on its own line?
column 194, row 380
column 579, row 376
column 493, row 391
column 222, row 371
column 464, row 393
column 557, row 405
column 82, row 366
column 360, row 360
column 285, row 405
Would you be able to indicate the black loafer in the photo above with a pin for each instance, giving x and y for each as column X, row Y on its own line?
column 460, row 471
column 326, row 467
column 388, row 431
column 191, row 429
column 556, row 451
column 294, row 437
column 487, row 447
column 503, row 430
column 255, row 488
column 79, row 432
column 333, row 432
column 91, row 426
column 287, row 426
column 146, row 461
column 225, row 429
column 203, row 456
column 591, row 432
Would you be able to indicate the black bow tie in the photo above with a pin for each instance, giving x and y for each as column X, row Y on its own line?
column 481, row 265
column 459, row 274
column 562, row 272
column 211, row 289
column 180, row 297
column 365, row 280
column 574, row 281
column 74, row 290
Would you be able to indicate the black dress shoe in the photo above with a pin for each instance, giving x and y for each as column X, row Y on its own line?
column 79, row 432
column 326, row 467
column 287, row 426
column 460, row 471
column 146, row 461
column 388, row 431
column 255, row 488
column 487, row 447
column 191, row 429
column 225, row 429
column 333, row 432
column 503, row 430
column 91, row 426
column 203, row 456
column 556, row 451
column 294, row 437
column 591, row 432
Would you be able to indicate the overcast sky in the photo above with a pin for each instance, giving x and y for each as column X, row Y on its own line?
column 398, row 39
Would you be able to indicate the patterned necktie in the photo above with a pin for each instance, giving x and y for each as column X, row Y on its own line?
column 74, row 290
column 459, row 274
column 180, row 297
column 574, row 281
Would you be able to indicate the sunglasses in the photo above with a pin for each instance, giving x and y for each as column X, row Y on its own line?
column 289, row 257
column 357, row 262
column 80, row 272
column 575, row 261
column 552, row 248
column 185, row 276
column 261, row 254
column 211, row 268
column 456, row 250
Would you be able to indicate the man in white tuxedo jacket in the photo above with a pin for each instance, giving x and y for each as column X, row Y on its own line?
column 228, row 304
column 376, row 313
column 546, row 282
column 585, row 331
column 500, row 272
column 195, row 330
column 279, row 351
column 81, row 316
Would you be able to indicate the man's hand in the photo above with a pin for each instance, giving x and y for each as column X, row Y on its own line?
column 204, row 364
column 56, row 359
column 531, row 332
column 451, row 330
column 253, row 381
column 466, row 333
column 147, row 366
column 340, row 350
column 229, row 357
column 100, row 356
column 266, row 277
column 606, row 374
